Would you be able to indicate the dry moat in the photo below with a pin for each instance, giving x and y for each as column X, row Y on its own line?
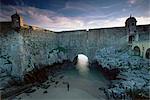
column 77, row 80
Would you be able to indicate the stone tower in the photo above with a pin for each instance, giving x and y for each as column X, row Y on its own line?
column 132, row 34
column 17, row 21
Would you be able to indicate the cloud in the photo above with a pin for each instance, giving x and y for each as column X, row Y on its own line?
column 56, row 22
column 42, row 18
column 132, row 1
column 115, row 22
column 111, row 6
column 85, row 7
column 143, row 20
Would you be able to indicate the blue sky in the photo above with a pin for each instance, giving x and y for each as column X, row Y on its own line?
column 60, row 15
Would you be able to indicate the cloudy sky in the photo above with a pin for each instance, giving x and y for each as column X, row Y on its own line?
column 60, row 15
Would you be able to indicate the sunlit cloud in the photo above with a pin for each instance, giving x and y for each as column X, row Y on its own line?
column 143, row 20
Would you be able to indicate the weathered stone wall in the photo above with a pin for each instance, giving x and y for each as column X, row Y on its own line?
column 11, row 50
column 21, row 52
column 143, row 45
column 87, row 42
column 39, row 44
column 144, row 32
column 74, row 41
column 102, row 38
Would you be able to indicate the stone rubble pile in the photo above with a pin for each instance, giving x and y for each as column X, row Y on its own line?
column 134, row 71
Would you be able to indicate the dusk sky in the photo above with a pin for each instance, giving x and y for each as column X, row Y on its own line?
column 60, row 15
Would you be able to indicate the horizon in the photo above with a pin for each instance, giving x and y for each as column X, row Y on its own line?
column 68, row 15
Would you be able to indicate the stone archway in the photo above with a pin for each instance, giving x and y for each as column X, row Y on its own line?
column 82, row 64
column 147, row 54
column 136, row 51
column 77, row 57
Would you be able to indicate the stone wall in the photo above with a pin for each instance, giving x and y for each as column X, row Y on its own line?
column 143, row 45
column 21, row 51
column 37, row 45
column 11, row 50
column 102, row 38
column 87, row 42
column 74, row 41
column 144, row 32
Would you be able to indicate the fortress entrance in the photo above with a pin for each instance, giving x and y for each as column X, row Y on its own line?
column 82, row 63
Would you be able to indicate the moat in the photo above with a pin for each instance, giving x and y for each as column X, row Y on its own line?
column 82, row 87
column 84, row 84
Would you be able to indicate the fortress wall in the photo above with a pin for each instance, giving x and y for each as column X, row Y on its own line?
column 102, row 38
column 87, row 42
column 144, row 32
column 37, row 46
column 74, row 41
column 11, row 53
column 21, row 51
column 144, row 36
column 143, row 28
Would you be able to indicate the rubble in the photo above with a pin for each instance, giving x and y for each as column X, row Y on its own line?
column 133, row 75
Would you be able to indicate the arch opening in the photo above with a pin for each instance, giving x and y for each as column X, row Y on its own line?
column 82, row 63
column 147, row 54
column 136, row 51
